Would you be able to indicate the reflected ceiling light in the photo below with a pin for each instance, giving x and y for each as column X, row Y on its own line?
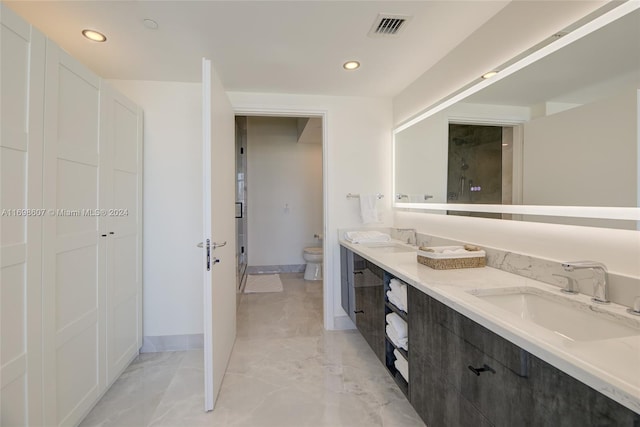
column 351, row 65
column 94, row 35
column 489, row 74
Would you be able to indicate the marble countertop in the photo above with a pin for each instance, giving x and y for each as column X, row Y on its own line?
column 610, row 366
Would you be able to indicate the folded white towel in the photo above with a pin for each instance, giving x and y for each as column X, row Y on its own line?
column 368, row 209
column 399, row 289
column 401, row 365
column 403, row 297
column 395, row 285
column 398, row 324
column 398, row 342
column 393, row 299
column 367, row 236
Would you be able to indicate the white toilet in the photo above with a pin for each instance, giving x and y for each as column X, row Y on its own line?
column 313, row 257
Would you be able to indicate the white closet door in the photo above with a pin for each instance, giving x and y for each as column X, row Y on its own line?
column 121, row 160
column 73, row 249
column 22, row 93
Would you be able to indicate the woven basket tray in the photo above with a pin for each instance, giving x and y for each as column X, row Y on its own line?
column 439, row 261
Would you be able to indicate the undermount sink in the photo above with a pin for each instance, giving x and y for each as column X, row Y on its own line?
column 389, row 247
column 571, row 319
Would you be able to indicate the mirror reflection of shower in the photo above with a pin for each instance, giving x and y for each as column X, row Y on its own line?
column 463, row 178
column 477, row 167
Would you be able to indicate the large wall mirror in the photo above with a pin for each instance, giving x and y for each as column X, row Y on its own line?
column 555, row 141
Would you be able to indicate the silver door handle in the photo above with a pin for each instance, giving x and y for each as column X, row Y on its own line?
column 200, row 245
column 218, row 245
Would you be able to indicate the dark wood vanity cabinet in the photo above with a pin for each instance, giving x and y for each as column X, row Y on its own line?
column 362, row 291
column 461, row 373
column 509, row 386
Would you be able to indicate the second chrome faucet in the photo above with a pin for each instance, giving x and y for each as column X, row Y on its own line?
column 600, row 287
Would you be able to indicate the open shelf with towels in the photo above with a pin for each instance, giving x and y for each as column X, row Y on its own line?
column 392, row 308
column 392, row 349
column 391, row 367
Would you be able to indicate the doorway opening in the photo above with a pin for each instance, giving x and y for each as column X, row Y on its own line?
column 279, row 198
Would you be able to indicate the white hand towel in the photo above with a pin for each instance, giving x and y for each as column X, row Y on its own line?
column 401, row 365
column 398, row 324
column 368, row 209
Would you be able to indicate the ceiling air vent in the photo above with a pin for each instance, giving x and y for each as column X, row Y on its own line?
column 388, row 25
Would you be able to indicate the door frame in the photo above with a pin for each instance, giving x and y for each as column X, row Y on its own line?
column 327, row 250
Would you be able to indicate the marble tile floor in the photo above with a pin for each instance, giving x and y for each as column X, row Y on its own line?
column 285, row 370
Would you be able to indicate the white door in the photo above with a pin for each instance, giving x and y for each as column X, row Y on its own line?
column 22, row 52
column 121, row 191
column 219, row 232
column 73, row 242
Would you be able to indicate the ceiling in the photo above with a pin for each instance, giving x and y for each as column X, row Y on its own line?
column 262, row 46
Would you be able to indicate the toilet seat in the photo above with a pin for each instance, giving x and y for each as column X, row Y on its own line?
column 313, row 251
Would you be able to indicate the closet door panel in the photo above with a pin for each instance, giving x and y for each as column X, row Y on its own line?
column 125, row 196
column 76, row 190
column 73, row 249
column 16, row 47
column 122, row 127
column 78, row 112
column 126, row 136
column 22, row 51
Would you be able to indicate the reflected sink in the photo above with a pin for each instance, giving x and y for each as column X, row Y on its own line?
column 570, row 319
column 389, row 247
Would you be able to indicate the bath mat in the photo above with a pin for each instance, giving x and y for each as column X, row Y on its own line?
column 263, row 283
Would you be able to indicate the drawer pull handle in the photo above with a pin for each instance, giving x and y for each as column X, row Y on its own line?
column 358, row 311
column 358, row 272
column 485, row 368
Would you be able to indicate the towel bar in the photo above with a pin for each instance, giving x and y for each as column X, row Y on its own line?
column 357, row 196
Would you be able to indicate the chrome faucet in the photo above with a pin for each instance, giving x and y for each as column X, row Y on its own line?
column 572, row 285
column 600, row 287
column 412, row 238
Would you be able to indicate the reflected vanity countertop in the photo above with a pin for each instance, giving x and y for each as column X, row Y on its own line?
column 610, row 366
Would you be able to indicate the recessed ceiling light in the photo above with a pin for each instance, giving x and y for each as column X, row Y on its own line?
column 150, row 24
column 351, row 65
column 489, row 74
column 94, row 35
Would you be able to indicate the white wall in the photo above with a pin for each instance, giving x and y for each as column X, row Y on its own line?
column 172, row 201
column 357, row 159
column 284, row 179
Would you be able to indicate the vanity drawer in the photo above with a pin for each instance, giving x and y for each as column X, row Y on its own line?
column 504, row 352
column 500, row 394
column 437, row 402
